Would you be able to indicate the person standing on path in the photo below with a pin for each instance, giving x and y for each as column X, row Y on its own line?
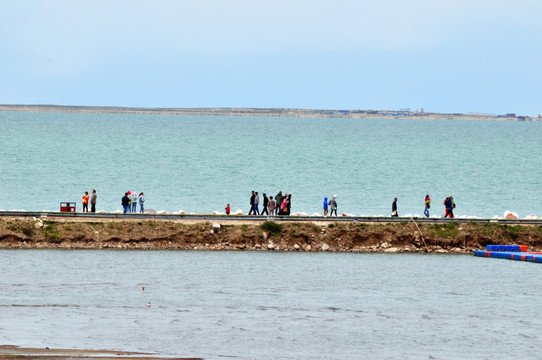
column 394, row 208
column 252, row 197
column 278, row 202
column 333, row 205
column 125, row 202
column 289, row 204
column 134, row 201
column 256, row 204
column 141, row 203
column 427, row 205
column 271, row 206
column 93, row 199
column 265, row 204
column 325, row 206
column 85, row 202
column 129, row 195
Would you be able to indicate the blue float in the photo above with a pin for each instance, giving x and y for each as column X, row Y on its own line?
column 509, row 252
column 508, row 248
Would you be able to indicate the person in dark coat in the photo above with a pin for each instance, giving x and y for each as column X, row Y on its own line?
column 265, row 203
column 125, row 202
column 252, row 203
column 394, row 208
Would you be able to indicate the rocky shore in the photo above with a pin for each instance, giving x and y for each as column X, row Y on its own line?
column 363, row 237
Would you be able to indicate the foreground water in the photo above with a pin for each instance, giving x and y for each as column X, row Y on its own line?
column 198, row 164
column 251, row 305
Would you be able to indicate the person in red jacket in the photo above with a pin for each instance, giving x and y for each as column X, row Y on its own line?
column 228, row 209
column 85, row 201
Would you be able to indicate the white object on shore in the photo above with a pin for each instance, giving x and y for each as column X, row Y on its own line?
column 348, row 215
column 531, row 217
column 117, row 212
column 100, row 212
column 218, row 213
column 496, row 217
column 238, row 212
column 300, row 214
column 161, row 212
column 316, row 214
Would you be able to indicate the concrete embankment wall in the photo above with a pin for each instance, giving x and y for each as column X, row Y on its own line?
column 111, row 233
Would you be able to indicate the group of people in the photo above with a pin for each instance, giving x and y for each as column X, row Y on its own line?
column 92, row 199
column 129, row 202
column 449, row 205
column 280, row 205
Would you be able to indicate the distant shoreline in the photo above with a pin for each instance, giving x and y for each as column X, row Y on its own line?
column 269, row 112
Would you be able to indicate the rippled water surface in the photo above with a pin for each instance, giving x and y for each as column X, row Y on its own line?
column 198, row 164
column 252, row 305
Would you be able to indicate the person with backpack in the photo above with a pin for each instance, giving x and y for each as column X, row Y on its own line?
column 450, row 206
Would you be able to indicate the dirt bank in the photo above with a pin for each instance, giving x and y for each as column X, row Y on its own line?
column 22, row 353
column 53, row 233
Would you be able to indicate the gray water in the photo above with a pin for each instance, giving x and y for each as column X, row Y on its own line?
column 200, row 163
column 252, row 305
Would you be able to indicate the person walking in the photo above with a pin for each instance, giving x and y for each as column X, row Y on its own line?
column 93, row 199
column 278, row 202
column 141, row 203
column 450, row 206
column 125, row 202
column 325, row 206
column 85, row 202
column 271, row 206
column 427, row 204
column 252, row 197
column 265, row 204
column 228, row 209
column 256, row 204
column 394, row 208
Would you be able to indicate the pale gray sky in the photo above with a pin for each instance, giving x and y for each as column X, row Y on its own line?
column 446, row 56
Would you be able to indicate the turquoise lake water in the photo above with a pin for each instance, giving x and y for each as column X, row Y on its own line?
column 198, row 164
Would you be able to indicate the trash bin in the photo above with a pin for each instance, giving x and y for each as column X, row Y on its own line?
column 67, row 207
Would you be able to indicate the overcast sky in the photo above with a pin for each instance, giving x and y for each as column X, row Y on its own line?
column 445, row 56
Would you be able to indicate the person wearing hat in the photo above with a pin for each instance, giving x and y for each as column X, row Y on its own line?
column 333, row 205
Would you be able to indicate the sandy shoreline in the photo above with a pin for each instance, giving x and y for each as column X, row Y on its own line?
column 270, row 112
column 20, row 353
column 239, row 235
